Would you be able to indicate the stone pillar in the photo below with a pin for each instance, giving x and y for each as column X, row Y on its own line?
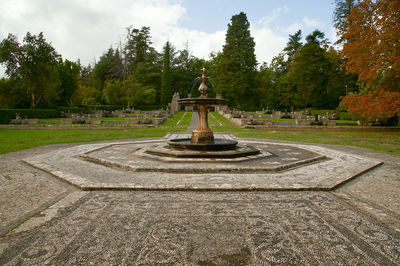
column 202, row 133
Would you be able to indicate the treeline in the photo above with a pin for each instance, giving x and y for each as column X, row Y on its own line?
column 306, row 74
column 131, row 74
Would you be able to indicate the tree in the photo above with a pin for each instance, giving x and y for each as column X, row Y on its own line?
column 184, row 69
column 293, row 45
column 13, row 94
column 309, row 71
column 236, row 65
column 339, row 83
column 136, row 48
column 85, row 95
column 105, row 71
column 34, row 63
column 166, row 79
column 115, row 93
column 340, row 16
column 69, row 75
column 372, row 43
column 375, row 104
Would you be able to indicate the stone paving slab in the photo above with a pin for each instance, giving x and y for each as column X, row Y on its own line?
column 196, row 228
column 357, row 223
column 67, row 165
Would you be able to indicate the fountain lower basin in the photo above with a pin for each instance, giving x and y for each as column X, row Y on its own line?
column 215, row 145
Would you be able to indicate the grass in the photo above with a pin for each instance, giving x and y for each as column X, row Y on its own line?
column 112, row 118
column 18, row 139
column 383, row 141
column 50, row 119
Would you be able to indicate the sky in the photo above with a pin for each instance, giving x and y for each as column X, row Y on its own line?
column 86, row 29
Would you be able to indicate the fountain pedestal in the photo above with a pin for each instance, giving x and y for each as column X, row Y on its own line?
column 202, row 133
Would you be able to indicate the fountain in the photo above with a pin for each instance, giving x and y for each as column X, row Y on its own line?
column 202, row 135
column 202, row 143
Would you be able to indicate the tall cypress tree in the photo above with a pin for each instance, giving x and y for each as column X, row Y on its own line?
column 236, row 65
column 166, row 79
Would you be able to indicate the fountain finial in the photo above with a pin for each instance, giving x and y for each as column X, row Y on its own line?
column 203, row 86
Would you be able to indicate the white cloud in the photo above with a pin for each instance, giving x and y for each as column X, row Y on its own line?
column 84, row 29
column 268, row 43
column 295, row 26
column 276, row 13
column 201, row 44
column 311, row 23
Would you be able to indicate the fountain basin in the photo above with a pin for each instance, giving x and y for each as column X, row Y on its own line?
column 215, row 145
column 203, row 101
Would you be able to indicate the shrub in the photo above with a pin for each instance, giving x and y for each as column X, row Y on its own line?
column 7, row 114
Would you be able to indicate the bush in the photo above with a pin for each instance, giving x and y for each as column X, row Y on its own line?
column 7, row 114
column 149, row 107
column 347, row 116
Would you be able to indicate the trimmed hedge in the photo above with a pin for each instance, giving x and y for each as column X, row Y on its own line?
column 149, row 107
column 7, row 114
column 85, row 109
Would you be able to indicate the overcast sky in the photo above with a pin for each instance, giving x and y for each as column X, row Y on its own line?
column 85, row 29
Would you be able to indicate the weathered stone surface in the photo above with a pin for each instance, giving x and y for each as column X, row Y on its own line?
column 357, row 223
column 200, row 228
column 25, row 191
column 296, row 167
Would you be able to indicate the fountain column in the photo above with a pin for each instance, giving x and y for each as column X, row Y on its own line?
column 202, row 133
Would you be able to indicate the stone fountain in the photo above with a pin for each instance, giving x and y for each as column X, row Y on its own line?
column 202, row 135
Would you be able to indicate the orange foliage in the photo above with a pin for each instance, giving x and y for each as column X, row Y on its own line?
column 372, row 47
column 380, row 104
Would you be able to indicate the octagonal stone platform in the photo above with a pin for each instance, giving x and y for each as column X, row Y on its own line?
column 127, row 166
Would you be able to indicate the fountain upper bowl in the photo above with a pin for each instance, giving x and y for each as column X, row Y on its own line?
column 203, row 101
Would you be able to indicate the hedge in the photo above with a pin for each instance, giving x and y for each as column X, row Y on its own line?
column 7, row 114
column 149, row 107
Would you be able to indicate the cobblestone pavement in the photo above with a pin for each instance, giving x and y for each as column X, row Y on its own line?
column 46, row 221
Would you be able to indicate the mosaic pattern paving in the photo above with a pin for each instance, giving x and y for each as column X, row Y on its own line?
column 206, row 228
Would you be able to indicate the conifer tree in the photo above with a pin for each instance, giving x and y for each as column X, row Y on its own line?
column 236, row 65
column 166, row 80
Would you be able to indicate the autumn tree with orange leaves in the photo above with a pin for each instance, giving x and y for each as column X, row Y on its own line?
column 377, row 104
column 372, row 50
column 372, row 43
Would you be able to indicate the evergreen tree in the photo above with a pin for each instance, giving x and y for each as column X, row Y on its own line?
column 293, row 45
column 236, row 65
column 136, row 48
column 103, row 73
column 166, row 82
column 340, row 16
column 309, row 71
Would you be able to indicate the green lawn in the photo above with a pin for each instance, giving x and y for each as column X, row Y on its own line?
column 385, row 142
column 18, row 139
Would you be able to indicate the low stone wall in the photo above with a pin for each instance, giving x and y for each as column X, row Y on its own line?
column 24, row 121
column 264, row 122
